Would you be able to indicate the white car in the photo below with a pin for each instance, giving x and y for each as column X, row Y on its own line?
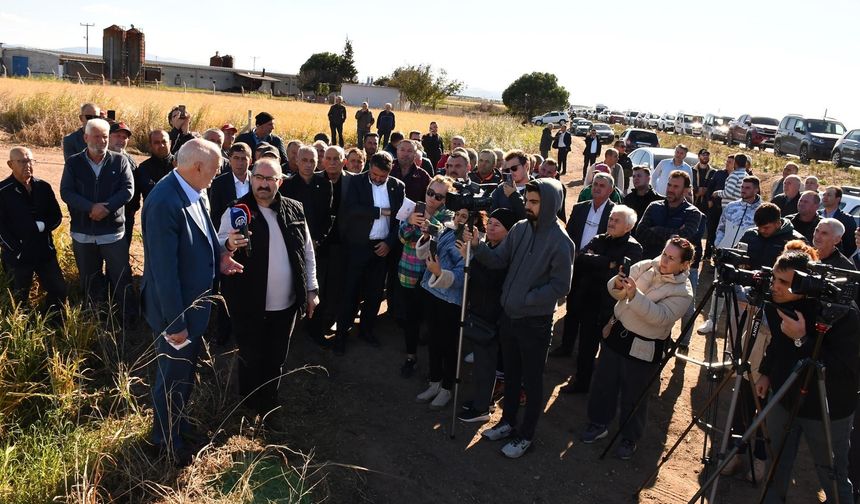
column 666, row 122
column 556, row 117
column 688, row 124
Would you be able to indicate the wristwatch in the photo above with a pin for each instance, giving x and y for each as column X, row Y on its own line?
column 799, row 341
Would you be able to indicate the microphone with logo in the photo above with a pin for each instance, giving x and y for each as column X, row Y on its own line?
column 240, row 216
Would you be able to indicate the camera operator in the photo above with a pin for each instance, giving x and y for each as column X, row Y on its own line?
column 766, row 242
column 654, row 296
column 484, row 287
column 794, row 340
column 599, row 262
column 443, row 279
column 540, row 256
column 410, row 269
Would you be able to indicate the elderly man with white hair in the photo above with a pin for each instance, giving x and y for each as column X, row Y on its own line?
column 600, row 260
column 826, row 240
column 96, row 185
column 183, row 258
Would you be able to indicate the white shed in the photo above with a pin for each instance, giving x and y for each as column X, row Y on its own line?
column 375, row 96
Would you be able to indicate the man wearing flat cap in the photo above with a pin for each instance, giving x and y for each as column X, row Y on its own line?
column 265, row 124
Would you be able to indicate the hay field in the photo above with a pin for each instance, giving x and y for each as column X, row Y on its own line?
column 41, row 111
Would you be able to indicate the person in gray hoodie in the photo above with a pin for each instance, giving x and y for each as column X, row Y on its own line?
column 539, row 256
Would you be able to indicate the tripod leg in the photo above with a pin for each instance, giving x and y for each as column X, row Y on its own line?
column 828, row 432
column 463, row 305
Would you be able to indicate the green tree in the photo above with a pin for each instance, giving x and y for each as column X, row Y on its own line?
column 347, row 72
column 322, row 67
column 537, row 91
column 421, row 86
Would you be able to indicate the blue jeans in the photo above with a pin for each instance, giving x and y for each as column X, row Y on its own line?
column 694, row 280
column 813, row 431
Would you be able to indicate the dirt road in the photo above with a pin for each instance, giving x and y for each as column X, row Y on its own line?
column 363, row 413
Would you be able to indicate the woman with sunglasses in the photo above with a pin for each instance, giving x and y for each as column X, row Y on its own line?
column 410, row 269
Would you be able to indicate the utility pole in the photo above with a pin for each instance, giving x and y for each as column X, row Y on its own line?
column 87, row 25
column 255, row 62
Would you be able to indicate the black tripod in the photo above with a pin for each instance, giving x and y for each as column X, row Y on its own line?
column 811, row 366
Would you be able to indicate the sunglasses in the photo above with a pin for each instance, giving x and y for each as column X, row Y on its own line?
column 434, row 194
column 513, row 168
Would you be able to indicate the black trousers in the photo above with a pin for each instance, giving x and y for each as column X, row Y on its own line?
column 330, row 264
column 591, row 332
column 562, row 159
column 414, row 300
column 336, row 133
column 263, row 342
column 50, row 278
column 444, row 323
column 525, row 342
column 365, row 276
column 587, row 160
column 572, row 320
column 384, row 137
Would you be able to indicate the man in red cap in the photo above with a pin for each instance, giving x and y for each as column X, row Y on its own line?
column 229, row 135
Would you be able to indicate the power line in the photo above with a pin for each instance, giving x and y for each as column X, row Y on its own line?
column 87, row 25
column 255, row 62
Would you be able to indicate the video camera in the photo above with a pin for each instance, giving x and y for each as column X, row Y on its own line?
column 828, row 284
column 732, row 256
column 470, row 196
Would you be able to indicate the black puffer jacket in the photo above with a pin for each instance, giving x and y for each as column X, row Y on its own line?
column 764, row 251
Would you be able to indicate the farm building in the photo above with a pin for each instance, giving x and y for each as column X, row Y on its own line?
column 23, row 61
column 375, row 96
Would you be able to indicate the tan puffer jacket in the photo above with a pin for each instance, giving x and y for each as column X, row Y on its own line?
column 660, row 300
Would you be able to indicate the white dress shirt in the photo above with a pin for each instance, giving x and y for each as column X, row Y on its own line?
column 379, row 230
column 242, row 188
column 592, row 222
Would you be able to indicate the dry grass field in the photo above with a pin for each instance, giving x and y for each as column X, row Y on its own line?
column 40, row 112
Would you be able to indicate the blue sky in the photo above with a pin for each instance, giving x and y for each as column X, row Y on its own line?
column 731, row 57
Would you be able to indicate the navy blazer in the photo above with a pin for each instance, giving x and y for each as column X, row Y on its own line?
column 578, row 216
column 178, row 261
column 221, row 194
column 358, row 212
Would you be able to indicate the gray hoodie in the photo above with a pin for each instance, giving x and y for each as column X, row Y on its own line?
column 539, row 258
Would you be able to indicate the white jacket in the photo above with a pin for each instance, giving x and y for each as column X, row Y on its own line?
column 659, row 302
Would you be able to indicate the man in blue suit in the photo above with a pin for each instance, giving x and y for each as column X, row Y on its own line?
column 182, row 258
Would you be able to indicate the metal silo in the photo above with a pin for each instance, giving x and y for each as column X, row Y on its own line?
column 136, row 51
column 113, row 41
column 227, row 61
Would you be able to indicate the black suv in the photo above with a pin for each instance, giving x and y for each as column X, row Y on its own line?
column 807, row 138
column 634, row 138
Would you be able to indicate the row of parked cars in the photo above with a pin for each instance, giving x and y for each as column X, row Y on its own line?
column 805, row 137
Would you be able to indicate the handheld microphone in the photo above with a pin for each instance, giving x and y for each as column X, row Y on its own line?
column 240, row 216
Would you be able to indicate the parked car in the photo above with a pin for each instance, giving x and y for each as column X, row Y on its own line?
column 652, row 122
column 604, row 132
column 634, row 138
column 850, row 203
column 754, row 131
column 688, row 124
column 645, row 118
column 807, row 138
column 581, row 127
column 616, row 117
column 716, row 127
column 603, row 115
column 666, row 122
column 652, row 155
column 630, row 117
column 556, row 117
column 846, row 152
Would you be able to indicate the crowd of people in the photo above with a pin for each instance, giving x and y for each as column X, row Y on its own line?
column 287, row 231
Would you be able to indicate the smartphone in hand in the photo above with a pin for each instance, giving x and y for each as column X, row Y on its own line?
column 625, row 266
column 509, row 178
column 434, row 247
column 420, row 208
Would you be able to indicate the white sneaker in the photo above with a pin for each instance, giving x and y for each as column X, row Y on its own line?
column 441, row 399
column 430, row 393
column 759, row 466
column 516, row 448
column 706, row 328
column 500, row 431
column 469, row 358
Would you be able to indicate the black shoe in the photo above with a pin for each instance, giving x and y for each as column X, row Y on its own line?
column 560, row 352
column 408, row 368
column 473, row 415
column 369, row 338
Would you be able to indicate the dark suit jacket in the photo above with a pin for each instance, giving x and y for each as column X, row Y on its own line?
column 587, row 149
column 358, row 211
column 179, row 261
column 578, row 216
column 73, row 143
column 221, row 194
column 567, row 140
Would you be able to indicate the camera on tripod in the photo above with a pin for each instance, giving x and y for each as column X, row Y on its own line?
column 470, row 196
column 732, row 256
column 826, row 283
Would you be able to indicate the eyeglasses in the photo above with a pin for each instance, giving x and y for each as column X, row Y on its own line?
column 513, row 168
column 262, row 178
column 434, row 194
column 90, row 117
